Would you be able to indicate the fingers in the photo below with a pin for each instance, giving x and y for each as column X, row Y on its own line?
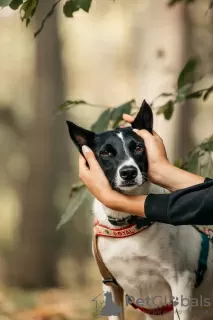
column 82, row 162
column 147, row 135
column 128, row 118
column 83, row 169
column 157, row 136
column 126, row 125
column 90, row 157
column 144, row 134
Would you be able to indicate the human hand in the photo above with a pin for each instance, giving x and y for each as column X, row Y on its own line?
column 156, row 153
column 94, row 178
column 160, row 171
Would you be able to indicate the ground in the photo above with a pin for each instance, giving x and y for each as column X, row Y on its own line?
column 73, row 302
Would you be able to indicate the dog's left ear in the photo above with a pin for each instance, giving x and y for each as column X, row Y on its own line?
column 144, row 118
column 80, row 136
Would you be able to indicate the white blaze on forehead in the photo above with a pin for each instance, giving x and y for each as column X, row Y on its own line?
column 120, row 135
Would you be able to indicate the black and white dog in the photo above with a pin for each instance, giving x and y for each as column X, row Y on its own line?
column 162, row 263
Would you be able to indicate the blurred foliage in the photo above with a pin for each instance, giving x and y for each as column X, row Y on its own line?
column 78, row 195
column 185, row 82
column 199, row 159
column 110, row 118
column 27, row 8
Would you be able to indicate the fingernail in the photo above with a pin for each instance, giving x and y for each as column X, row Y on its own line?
column 135, row 130
column 85, row 149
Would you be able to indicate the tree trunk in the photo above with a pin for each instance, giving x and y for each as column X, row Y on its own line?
column 161, row 56
column 37, row 249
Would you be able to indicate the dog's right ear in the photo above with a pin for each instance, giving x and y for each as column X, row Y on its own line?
column 80, row 136
column 144, row 118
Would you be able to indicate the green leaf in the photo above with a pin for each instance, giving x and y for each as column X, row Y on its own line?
column 194, row 95
column 183, row 92
column 48, row 15
column 207, row 93
column 70, row 7
column 85, row 4
column 165, row 94
column 74, row 204
column 187, row 73
column 207, row 146
column 193, row 162
column 103, row 121
column 180, row 97
column 70, row 104
column 5, row 3
column 27, row 10
column 117, row 113
column 186, row 88
column 167, row 109
column 15, row 4
column 76, row 187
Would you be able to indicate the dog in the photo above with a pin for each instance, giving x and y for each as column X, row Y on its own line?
column 159, row 267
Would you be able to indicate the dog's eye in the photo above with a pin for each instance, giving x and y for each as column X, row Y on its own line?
column 106, row 153
column 139, row 149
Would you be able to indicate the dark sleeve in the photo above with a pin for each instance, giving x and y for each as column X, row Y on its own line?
column 193, row 205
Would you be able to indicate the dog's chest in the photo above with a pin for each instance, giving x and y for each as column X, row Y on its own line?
column 134, row 262
column 145, row 264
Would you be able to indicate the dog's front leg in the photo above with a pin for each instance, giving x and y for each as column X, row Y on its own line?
column 113, row 303
column 182, row 288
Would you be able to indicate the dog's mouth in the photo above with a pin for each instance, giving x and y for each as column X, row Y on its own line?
column 129, row 184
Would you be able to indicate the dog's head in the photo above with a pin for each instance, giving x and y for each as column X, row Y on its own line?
column 121, row 152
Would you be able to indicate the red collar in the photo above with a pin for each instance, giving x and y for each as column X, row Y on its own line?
column 156, row 311
column 130, row 230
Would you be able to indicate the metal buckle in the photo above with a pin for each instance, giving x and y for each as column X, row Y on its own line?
column 107, row 281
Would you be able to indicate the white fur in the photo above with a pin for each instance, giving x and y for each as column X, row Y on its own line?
column 159, row 261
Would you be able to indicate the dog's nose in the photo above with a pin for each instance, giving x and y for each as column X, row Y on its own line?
column 128, row 172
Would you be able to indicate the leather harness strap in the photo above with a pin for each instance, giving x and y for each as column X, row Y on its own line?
column 108, row 278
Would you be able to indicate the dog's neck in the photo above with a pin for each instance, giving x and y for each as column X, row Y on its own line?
column 101, row 212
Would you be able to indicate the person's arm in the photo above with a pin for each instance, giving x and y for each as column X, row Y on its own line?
column 189, row 206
